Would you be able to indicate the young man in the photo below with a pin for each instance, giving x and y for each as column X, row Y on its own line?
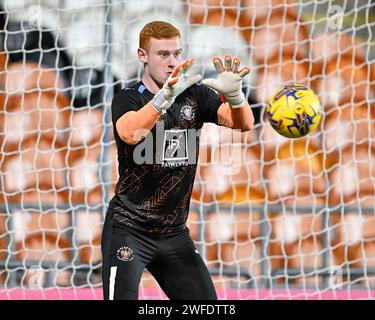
column 155, row 127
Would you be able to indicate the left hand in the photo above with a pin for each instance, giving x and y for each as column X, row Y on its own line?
column 229, row 81
column 176, row 83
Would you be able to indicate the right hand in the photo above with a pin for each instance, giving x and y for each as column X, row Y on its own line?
column 176, row 83
column 229, row 81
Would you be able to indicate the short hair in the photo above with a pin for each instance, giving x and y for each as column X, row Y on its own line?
column 157, row 30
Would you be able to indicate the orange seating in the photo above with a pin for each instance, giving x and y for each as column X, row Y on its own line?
column 255, row 13
column 345, row 81
column 351, row 174
column 279, row 72
column 227, row 155
column 3, row 58
column 35, row 105
column 296, row 240
column 86, row 128
column 332, row 46
column 297, row 169
column 244, row 254
column 193, row 223
column 202, row 11
column 211, row 137
column 89, row 226
column 352, row 186
column 38, row 165
column 44, row 248
column 27, row 77
column 83, row 156
column 3, row 232
column 114, row 165
column 3, row 244
column 237, row 234
column 279, row 35
column 35, row 114
column 237, row 168
column 295, row 178
column 258, row 10
column 271, row 140
column 83, row 177
column 33, row 223
column 353, row 239
column 40, row 237
column 347, row 126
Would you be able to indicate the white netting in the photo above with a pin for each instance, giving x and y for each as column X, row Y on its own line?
column 267, row 213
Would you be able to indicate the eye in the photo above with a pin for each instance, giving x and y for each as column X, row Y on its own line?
column 177, row 54
column 164, row 55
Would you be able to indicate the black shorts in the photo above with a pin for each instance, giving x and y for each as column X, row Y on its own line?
column 172, row 260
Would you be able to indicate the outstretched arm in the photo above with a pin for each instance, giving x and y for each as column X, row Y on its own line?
column 241, row 118
column 134, row 125
column 235, row 112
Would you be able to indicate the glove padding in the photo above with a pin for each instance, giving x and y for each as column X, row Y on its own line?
column 176, row 83
column 229, row 81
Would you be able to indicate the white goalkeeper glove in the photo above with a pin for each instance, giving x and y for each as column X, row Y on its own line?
column 176, row 83
column 229, row 81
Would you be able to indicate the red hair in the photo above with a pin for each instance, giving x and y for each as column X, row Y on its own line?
column 157, row 30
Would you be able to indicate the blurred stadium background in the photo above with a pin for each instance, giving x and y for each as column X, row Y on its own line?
column 273, row 218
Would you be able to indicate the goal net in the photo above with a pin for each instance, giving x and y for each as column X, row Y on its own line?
column 273, row 218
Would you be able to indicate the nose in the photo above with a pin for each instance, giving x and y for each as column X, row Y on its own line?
column 173, row 61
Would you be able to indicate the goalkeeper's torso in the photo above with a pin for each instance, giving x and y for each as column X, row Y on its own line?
column 157, row 174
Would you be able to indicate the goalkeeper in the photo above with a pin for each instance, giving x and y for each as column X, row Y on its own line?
column 145, row 223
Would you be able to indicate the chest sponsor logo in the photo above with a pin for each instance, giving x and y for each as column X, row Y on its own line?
column 168, row 147
column 175, row 146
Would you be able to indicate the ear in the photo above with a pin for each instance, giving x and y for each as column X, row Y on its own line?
column 142, row 55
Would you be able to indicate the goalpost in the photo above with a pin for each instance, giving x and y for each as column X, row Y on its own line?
column 273, row 218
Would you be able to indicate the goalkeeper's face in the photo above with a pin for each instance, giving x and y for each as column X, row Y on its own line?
column 161, row 58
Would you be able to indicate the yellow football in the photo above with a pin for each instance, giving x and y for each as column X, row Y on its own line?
column 294, row 111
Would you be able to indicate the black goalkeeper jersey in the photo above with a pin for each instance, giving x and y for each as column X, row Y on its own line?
column 156, row 175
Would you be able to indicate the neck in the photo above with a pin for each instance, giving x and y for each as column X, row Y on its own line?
column 150, row 84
